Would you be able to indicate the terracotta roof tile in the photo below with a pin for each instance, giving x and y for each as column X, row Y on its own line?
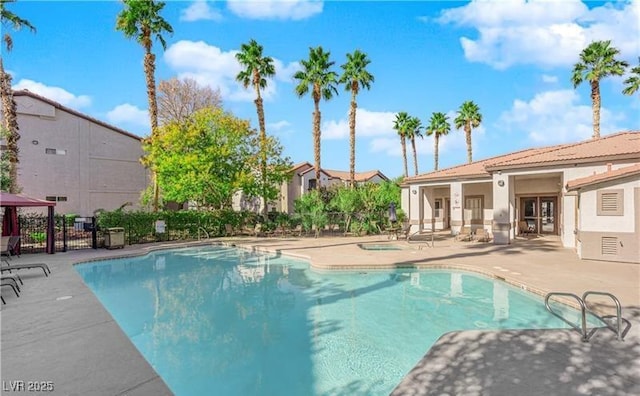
column 623, row 145
column 359, row 176
column 605, row 176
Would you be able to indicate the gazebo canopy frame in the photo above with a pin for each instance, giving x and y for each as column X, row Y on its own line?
column 10, row 224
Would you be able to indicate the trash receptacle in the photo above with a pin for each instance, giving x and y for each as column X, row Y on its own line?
column 114, row 238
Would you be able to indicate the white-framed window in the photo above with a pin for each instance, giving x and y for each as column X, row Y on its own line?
column 473, row 210
column 55, row 151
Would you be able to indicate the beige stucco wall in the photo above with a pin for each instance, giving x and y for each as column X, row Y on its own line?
column 100, row 170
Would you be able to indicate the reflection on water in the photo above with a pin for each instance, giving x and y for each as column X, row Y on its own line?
column 226, row 321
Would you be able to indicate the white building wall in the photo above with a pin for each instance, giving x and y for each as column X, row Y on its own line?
column 100, row 167
column 589, row 221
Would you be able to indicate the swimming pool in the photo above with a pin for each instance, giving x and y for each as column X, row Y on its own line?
column 217, row 320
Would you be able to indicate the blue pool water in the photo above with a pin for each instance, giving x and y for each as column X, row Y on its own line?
column 223, row 321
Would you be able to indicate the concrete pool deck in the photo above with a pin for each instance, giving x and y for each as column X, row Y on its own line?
column 75, row 344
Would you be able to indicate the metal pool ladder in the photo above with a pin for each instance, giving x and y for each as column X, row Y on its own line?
column 584, row 309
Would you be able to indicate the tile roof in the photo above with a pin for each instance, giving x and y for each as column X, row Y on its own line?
column 359, row 176
column 605, row 176
column 57, row 105
column 300, row 165
column 619, row 145
column 623, row 145
column 476, row 169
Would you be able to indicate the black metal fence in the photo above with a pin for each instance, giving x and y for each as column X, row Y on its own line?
column 71, row 233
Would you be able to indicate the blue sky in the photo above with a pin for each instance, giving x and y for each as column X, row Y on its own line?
column 513, row 58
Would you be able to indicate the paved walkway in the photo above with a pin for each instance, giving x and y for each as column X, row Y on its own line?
column 58, row 331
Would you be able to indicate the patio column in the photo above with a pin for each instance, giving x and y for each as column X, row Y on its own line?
column 503, row 209
column 51, row 240
column 456, row 207
column 415, row 206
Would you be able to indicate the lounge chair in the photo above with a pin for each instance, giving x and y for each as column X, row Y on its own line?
column 11, row 282
column 465, row 234
column 8, row 245
column 525, row 228
column 482, row 235
column 10, row 267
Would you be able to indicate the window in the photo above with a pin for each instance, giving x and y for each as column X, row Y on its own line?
column 437, row 206
column 473, row 210
column 312, row 184
column 55, row 151
column 610, row 203
column 53, row 198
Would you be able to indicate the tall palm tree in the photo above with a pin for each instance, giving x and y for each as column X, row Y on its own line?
column 141, row 19
column 257, row 68
column 317, row 77
column 438, row 126
column 597, row 61
column 469, row 117
column 632, row 84
column 414, row 130
column 354, row 77
column 401, row 125
column 9, row 112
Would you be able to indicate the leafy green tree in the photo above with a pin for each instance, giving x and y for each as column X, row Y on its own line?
column 438, row 126
column 597, row 60
column 256, row 69
column 141, row 19
column 312, row 210
column 346, row 201
column 632, row 84
column 354, row 77
column 278, row 170
column 401, row 126
column 204, row 159
column 414, row 130
column 317, row 77
column 9, row 112
column 469, row 117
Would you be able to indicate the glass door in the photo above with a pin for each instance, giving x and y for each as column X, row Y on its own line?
column 530, row 213
column 548, row 215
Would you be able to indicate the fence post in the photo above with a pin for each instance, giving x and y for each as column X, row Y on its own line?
column 64, row 233
column 94, row 233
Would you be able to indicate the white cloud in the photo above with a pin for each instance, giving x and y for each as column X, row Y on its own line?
column 129, row 114
column 539, row 32
column 553, row 117
column 278, row 126
column 368, row 123
column 275, row 9
column 56, row 94
column 200, row 10
column 210, row 66
column 284, row 72
column 549, row 79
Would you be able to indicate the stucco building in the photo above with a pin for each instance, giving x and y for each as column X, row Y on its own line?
column 81, row 163
column 587, row 193
column 304, row 180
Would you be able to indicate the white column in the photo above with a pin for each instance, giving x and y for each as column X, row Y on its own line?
column 457, row 202
column 503, row 209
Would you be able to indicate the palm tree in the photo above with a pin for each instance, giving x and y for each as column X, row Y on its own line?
column 354, row 77
column 469, row 117
column 414, row 129
column 596, row 62
column 140, row 19
column 438, row 126
column 9, row 112
column 316, row 76
column 401, row 125
column 256, row 70
column 632, row 84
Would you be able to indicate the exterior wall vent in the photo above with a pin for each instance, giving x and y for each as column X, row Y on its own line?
column 609, row 246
